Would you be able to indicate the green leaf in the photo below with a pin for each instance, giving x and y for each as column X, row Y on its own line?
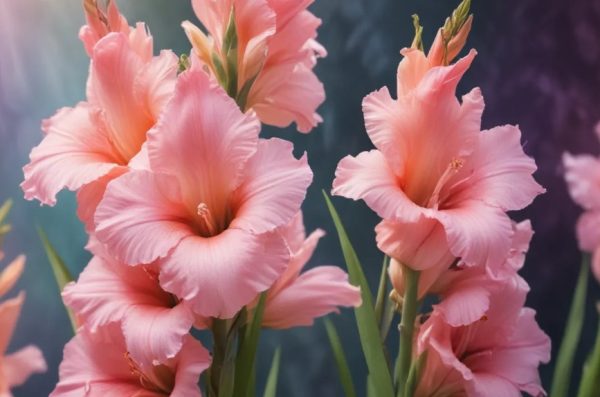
column 60, row 270
column 4, row 210
column 340, row 359
column 244, row 367
column 590, row 380
column 366, row 319
column 566, row 354
column 382, row 290
column 271, row 387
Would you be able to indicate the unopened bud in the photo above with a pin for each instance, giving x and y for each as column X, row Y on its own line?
column 418, row 40
column 452, row 37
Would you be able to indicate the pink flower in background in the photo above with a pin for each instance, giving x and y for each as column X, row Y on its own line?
column 154, row 323
column 296, row 298
column 99, row 365
column 436, row 179
column 497, row 355
column 276, row 54
column 17, row 367
column 101, row 137
column 582, row 173
column 210, row 206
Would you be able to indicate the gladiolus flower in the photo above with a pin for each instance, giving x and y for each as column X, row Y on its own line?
column 436, row 179
column 583, row 179
column 98, row 365
column 296, row 298
column 211, row 203
column 102, row 137
column 498, row 355
column 274, row 56
column 154, row 323
column 15, row 368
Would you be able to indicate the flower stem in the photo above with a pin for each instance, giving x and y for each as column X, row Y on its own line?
column 407, row 327
column 222, row 369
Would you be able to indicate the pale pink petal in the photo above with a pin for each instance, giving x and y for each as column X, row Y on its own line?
column 466, row 303
column 299, row 259
column 499, row 172
column 9, row 315
column 420, row 245
column 19, row 366
column 76, row 150
column 274, row 96
column 582, row 174
column 477, row 233
column 588, row 231
column 369, row 177
column 411, row 70
column 141, row 207
column 155, row 83
column 154, row 324
column 274, row 187
column 313, row 294
column 485, row 383
column 11, row 273
column 442, row 80
column 294, row 233
column 520, row 244
column 90, row 195
column 193, row 360
column 100, row 22
column 203, row 140
column 221, row 274
column 113, row 75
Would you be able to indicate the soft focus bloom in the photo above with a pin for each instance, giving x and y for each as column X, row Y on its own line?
column 210, row 206
column 497, row 355
column 99, row 365
column 296, row 299
column 276, row 54
column 154, row 323
column 100, row 138
column 441, row 185
column 582, row 173
column 17, row 367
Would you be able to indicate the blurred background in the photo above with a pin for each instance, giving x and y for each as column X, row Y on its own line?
column 538, row 66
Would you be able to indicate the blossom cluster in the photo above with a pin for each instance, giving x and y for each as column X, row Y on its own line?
column 443, row 187
column 191, row 214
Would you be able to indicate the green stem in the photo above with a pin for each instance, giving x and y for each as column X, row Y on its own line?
column 590, row 381
column 222, row 369
column 407, row 327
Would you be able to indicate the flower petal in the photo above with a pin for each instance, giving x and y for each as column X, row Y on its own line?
column 141, row 217
column 19, row 366
column 221, row 274
column 9, row 315
column 11, row 273
column 588, row 231
column 313, row 294
column 203, row 140
column 582, row 174
column 274, row 187
column 369, row 177
column 75, row 151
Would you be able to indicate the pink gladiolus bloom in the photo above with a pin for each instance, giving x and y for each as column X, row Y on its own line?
column 441, row 185
column 99, row 365
column 296, row 299
column 100, row 138
column 210, row 206
column 154, row 323
column 276, row 54
column 497, row 355
column 15, row 368
column 583, row 179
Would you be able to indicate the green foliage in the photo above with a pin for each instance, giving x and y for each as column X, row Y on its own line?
column 340, row 359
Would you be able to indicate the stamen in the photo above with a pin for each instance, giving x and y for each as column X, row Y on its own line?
column 144, row 380
column 455, row 165
column 207, row 218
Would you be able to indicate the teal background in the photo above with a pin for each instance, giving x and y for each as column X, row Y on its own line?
column 538, row 66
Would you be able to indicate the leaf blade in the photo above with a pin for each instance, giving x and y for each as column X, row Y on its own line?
column 271, row 387
column 340, row 359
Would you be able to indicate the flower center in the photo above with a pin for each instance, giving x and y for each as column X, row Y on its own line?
column 207, row 222
column 156, row 383
column 455, row 165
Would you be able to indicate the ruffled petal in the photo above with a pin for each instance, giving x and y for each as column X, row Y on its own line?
column 75, row 151
column 313, row 294
column 477, row 233
column 499, row 172
column 369, row 177
column 221, row 274
column 141, row 217
column 274, row 187
column 203, row 140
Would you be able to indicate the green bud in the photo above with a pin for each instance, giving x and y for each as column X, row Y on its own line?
column 418, row 40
